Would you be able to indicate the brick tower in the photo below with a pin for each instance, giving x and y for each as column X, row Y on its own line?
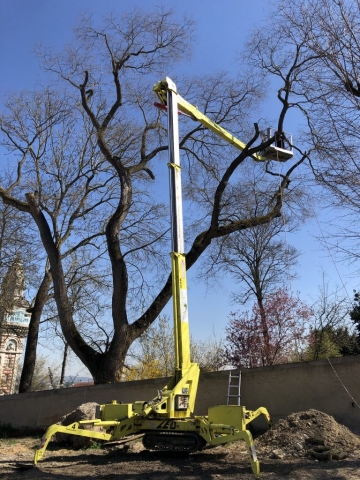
column 14, row 324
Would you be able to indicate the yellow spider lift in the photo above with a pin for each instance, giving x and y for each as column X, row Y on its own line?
column 167, row 422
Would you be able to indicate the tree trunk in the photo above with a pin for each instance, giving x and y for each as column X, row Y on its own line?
column 32, row 338
column 267, row 360
column 63, row 365
column 107, row 367
column 264, row 326
column 86, row 354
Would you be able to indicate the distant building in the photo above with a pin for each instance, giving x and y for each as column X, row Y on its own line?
column 83, row 384
column 14, row 325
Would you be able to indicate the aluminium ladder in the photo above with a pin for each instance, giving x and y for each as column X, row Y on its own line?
column 234, row 385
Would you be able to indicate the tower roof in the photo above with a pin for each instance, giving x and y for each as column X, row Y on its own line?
column 13, row 287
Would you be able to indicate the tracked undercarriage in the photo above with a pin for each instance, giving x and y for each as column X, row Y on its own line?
column 173, row 442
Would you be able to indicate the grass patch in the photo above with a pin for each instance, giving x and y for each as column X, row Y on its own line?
column 94, row 445
column 9, row 441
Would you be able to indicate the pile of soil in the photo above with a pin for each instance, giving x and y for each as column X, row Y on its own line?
column 86, row 411
column 310, row 433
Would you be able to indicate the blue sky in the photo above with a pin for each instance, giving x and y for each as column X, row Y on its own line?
column 25, row 23
column 222, row 27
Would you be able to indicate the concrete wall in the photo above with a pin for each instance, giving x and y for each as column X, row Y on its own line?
column 282, row 389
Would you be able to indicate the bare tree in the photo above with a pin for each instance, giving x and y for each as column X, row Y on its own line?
column 324, row 35
column 259, row 259
column 331, row 316
column 45, row 375
column 87, row 289
column 261, row 262
column 103, row 189
column 28, row 369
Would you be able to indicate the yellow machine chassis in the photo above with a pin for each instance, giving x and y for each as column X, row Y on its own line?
column 223, row 424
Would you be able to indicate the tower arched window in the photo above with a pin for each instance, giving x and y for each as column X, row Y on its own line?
column 11, row 346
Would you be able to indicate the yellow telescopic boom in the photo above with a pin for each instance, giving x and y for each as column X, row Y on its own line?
column 275, row 151
column 180, row 303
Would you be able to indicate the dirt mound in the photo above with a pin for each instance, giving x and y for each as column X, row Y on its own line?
column 310, row 433
column 86, row 411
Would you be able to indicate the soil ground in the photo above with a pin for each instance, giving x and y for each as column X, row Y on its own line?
column 305, row 446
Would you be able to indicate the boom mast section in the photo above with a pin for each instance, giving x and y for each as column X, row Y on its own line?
column 180, row 304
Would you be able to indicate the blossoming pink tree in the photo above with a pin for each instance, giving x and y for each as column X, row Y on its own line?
column 284, row 318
